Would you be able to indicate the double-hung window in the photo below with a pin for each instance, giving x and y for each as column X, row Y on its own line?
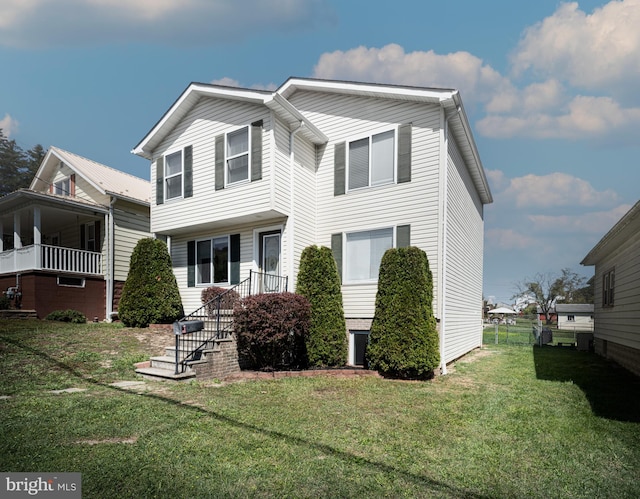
column 62, row 187
column 238, row 155
column 372, row 160
column 364, row 253
column 212, row 260
column 608, row 286
column 173, row 175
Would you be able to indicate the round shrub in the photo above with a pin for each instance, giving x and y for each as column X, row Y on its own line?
column 404, row 339
column 271, row 330
column 68, row 315
column 5, row 303
column 150, row 294
column 228, row 299
column 319, row 282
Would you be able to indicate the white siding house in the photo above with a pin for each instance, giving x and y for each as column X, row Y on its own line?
column 356, row 167
column 575, row 316
column 616, row 258
column 67, row 240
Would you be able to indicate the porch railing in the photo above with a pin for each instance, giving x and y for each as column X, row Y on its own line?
column 217, row 317
column 56, row 258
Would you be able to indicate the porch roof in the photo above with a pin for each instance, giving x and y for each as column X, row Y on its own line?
column 26, row 197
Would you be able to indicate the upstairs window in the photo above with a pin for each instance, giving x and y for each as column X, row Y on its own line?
column 62, row 187
column 238, row 155
column 372, row 160
column 173, row 175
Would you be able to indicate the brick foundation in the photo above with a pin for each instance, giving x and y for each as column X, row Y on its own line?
column 627, row 357
column 221, row 363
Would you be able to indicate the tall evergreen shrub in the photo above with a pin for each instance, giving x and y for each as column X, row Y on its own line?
column 404, row 339
column 319, row 282
column 150, row 294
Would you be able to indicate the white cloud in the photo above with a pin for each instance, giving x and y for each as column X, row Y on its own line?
column 508, row 239
column 8, row 125
column 231, row 82
column 598, row 222
column 39, row 23
column 593, row 51
column 554, row 190
column 477, row 81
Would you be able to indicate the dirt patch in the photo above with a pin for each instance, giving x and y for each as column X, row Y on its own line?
column 154, row 341
column 130, row 440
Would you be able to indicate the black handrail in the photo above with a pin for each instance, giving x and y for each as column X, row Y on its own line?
column 217, row 317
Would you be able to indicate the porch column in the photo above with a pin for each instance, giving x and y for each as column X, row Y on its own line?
column 37, row 237
column 17, row 242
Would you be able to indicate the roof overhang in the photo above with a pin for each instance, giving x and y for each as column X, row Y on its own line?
column 628, row 225
column 25, row 197
column 195, row 91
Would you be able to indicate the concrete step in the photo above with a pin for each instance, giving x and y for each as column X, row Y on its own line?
column 165, row 374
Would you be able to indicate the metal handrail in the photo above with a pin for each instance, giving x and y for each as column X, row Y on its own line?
column 217, row 317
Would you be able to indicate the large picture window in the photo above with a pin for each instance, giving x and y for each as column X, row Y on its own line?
column 364, row 253
column 372, row 160
column 173, row 175
column 212, row 260
column 238, row 155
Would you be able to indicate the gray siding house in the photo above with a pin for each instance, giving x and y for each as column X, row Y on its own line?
column 616, row 258
column 246, row 179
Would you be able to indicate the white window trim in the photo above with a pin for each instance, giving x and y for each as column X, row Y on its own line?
column 61, row 182
column 345, row 261
column 213, row 281
column 370, row 135
column 167, row 177
column 228, row 156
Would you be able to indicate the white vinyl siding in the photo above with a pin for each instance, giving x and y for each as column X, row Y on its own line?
column 241, row 201
column 464, row 251
column 413, row 203
column 131, row 225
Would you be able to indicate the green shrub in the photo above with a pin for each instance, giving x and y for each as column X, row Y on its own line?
column 319, row 282
column 271, row 330
column 404, row 339
column 228, row 299
column 69, row 315
column 150, row 294
column 5, row 303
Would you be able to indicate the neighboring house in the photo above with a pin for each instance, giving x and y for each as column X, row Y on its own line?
column 553, row 316
column 617, row 291
column 575, row 316
column 246, row 179
column 67, row 240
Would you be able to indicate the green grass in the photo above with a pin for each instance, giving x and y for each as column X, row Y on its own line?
column 508, row 421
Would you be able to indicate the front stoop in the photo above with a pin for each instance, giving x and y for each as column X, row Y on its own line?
column 216, row 362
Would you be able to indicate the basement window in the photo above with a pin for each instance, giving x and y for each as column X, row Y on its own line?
column 74, row 282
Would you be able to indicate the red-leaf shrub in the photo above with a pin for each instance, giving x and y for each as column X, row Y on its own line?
column 228, row 299
column 271, row 330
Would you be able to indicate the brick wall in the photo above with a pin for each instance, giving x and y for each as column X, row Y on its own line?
column 222, row 362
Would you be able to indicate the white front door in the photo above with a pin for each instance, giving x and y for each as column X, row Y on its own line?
column 270, row 260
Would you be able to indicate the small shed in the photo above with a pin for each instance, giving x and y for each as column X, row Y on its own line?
column 575, row 316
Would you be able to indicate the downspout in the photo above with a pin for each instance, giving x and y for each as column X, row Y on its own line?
column 445, row 221
column 110, row 261
column 292, row 218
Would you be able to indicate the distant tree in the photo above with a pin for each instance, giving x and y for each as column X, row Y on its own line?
column 587, row 293
column 17, row 167
column 548, row 289
column 150, row 294
column 319, row 282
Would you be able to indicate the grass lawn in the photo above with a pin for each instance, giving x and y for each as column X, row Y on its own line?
column 509, row 421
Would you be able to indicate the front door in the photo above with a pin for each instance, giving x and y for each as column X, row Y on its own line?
column 270, row 261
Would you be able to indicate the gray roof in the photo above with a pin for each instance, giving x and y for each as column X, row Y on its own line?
column 577, row 308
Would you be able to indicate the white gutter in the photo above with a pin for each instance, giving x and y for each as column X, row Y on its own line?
column 292, row 219
column 444, row 169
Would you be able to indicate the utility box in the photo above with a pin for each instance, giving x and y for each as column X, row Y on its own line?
column 584, row 342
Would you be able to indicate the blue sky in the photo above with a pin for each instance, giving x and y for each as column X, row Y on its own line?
column 551, row 90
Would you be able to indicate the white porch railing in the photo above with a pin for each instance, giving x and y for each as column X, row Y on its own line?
column 54, row 258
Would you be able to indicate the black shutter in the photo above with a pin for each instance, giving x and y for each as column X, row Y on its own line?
column 234, row 258
column 403, row 236
column 336, row 249
column 339, row 164
column 256, row 150
column 160, row 180
column 219, row 182
column 191, row 264
column 404, row 153
column 188, row 171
